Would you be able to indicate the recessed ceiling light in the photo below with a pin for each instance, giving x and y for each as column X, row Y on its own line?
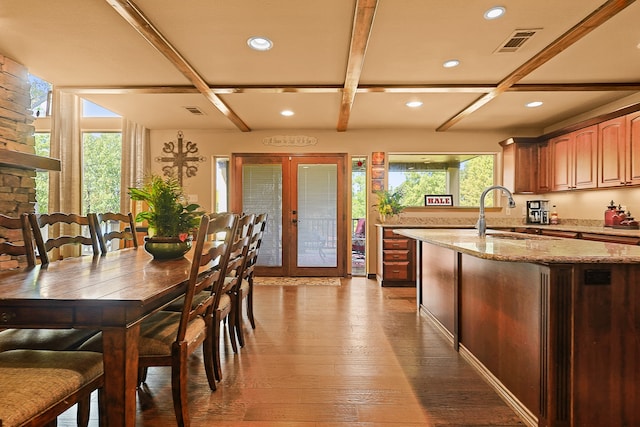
column 414, row 104
column 287, row 113
column 534, row 104
column 260, row 43
column 494, row 12
column 451, row 63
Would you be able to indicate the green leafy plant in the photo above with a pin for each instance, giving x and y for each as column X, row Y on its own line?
column 168, row 214
column 388, row 203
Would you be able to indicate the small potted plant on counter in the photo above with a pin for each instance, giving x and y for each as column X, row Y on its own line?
column 170, row 218
column 388, row 204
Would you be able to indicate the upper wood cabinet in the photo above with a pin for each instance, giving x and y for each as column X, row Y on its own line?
column 543, row 181
column 519, row 161
column 633, row 153
column 612, row 153
column 574, row 159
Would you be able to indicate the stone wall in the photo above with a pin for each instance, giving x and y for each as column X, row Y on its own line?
column 17, row 186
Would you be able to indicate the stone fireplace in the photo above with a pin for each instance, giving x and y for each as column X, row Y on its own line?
column 17, row 168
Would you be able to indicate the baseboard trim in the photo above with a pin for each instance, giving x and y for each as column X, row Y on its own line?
column 525, row 414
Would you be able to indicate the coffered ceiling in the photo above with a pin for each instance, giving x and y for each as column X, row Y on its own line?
column 340, row 65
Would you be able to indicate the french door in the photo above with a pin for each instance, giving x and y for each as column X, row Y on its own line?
column 304, row 197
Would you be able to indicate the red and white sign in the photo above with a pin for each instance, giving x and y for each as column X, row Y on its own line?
column 438, row 200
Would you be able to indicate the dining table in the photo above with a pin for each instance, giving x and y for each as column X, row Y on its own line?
column 111, row 293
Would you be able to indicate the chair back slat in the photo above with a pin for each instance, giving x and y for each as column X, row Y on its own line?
column 124, row 230
column 13, row 230
column 69, row 230
column 239, row 250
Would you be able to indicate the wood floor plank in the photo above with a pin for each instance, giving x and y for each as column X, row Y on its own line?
column 356, row 355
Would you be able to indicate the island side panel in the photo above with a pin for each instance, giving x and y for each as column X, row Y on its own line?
column 438, row 283
column 606, row 346
column 500, row 322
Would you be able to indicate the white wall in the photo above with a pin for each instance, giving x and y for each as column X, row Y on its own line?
column 351, row 142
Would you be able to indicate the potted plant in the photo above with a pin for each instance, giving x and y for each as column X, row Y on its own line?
column 170, row 218
column 388, row 204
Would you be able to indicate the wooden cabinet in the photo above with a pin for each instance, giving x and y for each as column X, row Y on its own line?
column 574, row 159
column 519, row 160
column 619, row 151
column 633, row 147
column 396, row 259
column 543, row 163
column 612, row 153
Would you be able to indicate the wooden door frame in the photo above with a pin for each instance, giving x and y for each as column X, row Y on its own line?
column 235, row 193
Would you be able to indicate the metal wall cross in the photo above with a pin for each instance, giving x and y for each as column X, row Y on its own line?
column 180, row 159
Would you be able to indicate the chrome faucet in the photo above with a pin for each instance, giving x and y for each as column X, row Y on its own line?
column 481, row 225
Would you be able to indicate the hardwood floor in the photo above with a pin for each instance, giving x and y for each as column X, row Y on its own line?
column 356, row 355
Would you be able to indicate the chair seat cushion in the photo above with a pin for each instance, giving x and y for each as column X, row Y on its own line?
column 225, row 302
column 245, row 287
column 157, row 334
column 35, row 380
column 43, row 339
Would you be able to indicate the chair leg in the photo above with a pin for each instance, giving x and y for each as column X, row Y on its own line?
column 84, row 407
column 208, row 357
column 231, row 324
column 238, row 321
column 179, row 387
column 215, row 345
column 250, row 303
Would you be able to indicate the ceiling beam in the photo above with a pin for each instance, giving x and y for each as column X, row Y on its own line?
column 362, row 24
column 591, row 22
column 373, row 88
column 136, row 18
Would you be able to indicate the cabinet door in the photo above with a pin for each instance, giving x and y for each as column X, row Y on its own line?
column 633, row 148
column 543, row 184
column 561, row 169
column 612, row 151
column 585, row 158
column 519, row 167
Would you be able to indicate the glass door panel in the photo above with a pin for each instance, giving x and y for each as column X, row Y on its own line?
column 317, row 215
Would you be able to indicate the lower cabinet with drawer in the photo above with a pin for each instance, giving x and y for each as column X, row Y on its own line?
column 396, row 259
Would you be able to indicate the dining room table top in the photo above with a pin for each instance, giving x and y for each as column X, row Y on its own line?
column 128, row 281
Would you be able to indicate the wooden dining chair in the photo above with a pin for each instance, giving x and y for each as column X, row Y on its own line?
column 38, row 385
column 69, row 227
column 245, row 290
column 233, row 280
column 112, row 227
column 33, row 339
column 167, row 338
column 16, row 238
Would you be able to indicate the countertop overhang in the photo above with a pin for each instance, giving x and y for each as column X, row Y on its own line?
column 519, row 247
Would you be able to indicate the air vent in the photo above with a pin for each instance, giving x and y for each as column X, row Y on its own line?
column 195, row 111
column 516, row 40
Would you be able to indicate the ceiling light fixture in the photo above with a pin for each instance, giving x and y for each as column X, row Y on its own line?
column 495, row 12
column 451, row 63
column 534, row 104
column 287, row 113
column 260, row 43
column 414, row 104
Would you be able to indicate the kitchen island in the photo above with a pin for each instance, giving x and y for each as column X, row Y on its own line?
column 552, row 323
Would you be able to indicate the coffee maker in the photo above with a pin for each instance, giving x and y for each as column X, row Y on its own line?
column 537, row 212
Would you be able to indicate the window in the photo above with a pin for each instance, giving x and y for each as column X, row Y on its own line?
column 40, row 92
column 221, row 197
column 101, row 154
column 464, row 176
column 89, row 109
column 42, row 147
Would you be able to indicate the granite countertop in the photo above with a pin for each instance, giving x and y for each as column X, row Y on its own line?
column 610, row 231
column 518, row 247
